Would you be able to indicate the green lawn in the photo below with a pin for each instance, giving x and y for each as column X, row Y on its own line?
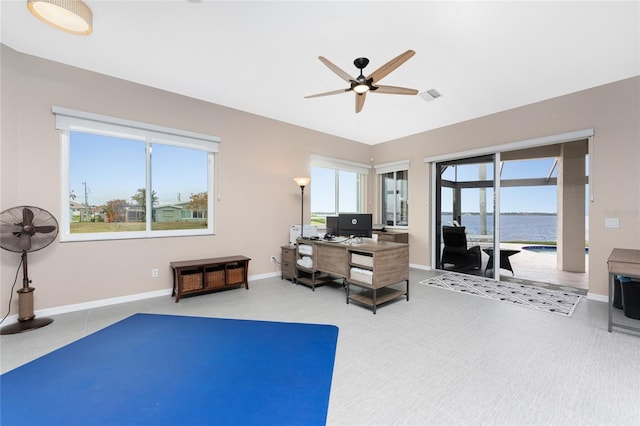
column 91, row 227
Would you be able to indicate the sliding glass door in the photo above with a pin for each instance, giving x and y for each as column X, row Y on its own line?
column 466, row 228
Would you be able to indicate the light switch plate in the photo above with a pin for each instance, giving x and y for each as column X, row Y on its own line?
column 611, row 222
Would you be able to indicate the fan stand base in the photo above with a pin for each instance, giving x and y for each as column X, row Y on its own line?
column 22, row 326
column 27, row 320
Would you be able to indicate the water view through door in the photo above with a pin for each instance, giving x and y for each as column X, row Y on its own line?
column 539, row 235
column 465, row 223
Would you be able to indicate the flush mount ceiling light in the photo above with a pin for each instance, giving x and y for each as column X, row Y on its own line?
column 70, row 16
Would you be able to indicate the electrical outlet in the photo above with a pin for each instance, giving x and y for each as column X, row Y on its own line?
column 273, row 259
column 154, row 273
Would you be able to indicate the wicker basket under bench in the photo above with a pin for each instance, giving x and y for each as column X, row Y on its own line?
column 205, row 275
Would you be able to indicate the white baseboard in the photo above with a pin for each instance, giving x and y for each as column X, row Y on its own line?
column 597, row 297
column 103, row 302
column 263, row 276
column 422, row 267
column 116, row 300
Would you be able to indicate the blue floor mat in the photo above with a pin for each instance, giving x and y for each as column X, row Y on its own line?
column 176, row 370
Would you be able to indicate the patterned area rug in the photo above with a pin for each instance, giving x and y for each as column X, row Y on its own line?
column 543, row 299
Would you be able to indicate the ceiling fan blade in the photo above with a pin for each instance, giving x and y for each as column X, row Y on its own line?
column 384, row 70
column 333, row 92
column 25, row 242
column 333, row 67
column 360, row 98
column 45, row 229
column 393, row 90
column 27, row 216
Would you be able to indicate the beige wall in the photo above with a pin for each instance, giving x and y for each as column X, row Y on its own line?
column 611, row 110
column 571, row 206
column 258, row 159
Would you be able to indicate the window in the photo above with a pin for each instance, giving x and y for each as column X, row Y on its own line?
column 394, row 184
column 337, row 186
column 116, row 171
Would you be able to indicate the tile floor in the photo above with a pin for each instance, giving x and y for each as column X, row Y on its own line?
column 540, row 267
column 543, row 267
column 441, row 358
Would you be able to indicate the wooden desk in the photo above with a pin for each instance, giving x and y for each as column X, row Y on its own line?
column 624, row 262
column 389, row 264
column 205, row 275
column 386, row 262
column 288, row 262
column 393, row 236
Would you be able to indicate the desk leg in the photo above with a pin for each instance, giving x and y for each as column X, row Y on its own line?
column 375, row 302
column 407, row 290
column 346, row 284
column 610, row 300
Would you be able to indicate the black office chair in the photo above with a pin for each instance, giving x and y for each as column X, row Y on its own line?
column 455, row 250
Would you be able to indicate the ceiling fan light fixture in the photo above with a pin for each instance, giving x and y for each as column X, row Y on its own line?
column 361, row 88
column 70, row 16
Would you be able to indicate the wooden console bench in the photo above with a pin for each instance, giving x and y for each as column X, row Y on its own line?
column 192, row 277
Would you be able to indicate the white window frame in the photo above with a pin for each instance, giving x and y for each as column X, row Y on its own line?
column 383, row 169
column 68, row 120
column 345, row 165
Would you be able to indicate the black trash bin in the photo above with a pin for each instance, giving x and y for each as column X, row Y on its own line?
column 631, row 298
column 617, row 293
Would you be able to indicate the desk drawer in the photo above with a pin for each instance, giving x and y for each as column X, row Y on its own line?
column 288, row 262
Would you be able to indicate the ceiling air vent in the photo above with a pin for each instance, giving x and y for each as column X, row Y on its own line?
column 430, row 95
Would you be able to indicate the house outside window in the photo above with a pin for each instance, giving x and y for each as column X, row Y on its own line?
column 337, row 186
column 115, row 171
column 394, row 193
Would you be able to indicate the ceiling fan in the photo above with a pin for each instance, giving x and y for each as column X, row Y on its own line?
column 361, row 85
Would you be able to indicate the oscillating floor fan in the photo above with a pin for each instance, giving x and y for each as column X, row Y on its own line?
column 25, row 229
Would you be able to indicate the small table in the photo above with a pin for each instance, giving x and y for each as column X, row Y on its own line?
column 504, row 259
column 622, row 262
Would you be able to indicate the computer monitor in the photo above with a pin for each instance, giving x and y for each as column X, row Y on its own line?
column 356, row 224
column 332, row 227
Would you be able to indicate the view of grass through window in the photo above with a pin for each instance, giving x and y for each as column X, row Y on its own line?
column 108, row 185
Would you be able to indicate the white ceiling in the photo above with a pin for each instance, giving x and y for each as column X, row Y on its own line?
column 262, row 57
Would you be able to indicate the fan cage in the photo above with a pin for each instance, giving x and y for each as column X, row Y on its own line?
column 13, row 218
